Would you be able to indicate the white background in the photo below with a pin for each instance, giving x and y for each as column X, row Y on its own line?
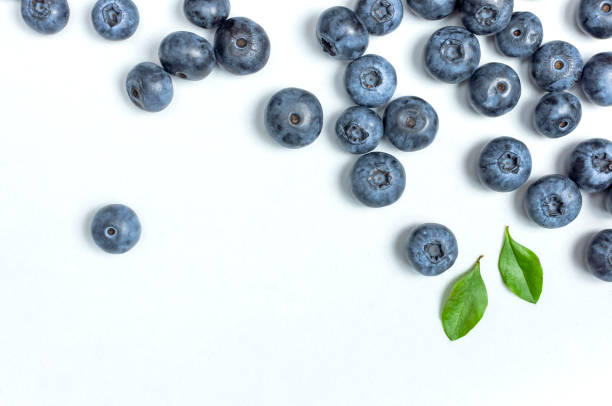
column 259, row 280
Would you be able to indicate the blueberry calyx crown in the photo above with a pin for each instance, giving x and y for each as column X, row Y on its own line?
column 434, row 251
column 295, row 118
column 602, row 162
column 509, row 162
column 452, row 50
column 487, row 15
column 328, row 47
column 380, row 178
column 112, row 14
column 382, row 11
column 553, row 206
column 371, row 79
column 355, row 134
column 606, row 8
column 242, row 43
column 40, row 8
column 111, row 232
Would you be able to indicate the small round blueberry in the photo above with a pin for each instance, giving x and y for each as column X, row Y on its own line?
column 45, row 16
column 522, row 37
column 242, row 46
column 504, row 164
column 115, row 228
column 115, row 19
column 411, row 123
column 149, row 87
column 359, row 130
column 495, row 89
column 591, row 165
column 597, row 79
column 378, row 179
column 452, row 54
column 557, row 114
column 432, row 249
column 187, row 55
column 486, row 17
column 608, row 200
column 206, row 13
column 599, row 255
column 595, row 17
column 554, row 201
column 433, row 9
column 556, row 66
column 380, row 17
column 341, row 33
column 370, row 80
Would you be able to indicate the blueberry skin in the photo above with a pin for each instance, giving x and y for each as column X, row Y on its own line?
column 433, row 9
column 149, row 87
column 599, row 255
column 556, row 66
column 557, row 114
column 411, row 123
column 452, row 54
column 206, row 13
column 45, row 16
column 608, row 201
column 242, row 46
column 495, row 89
column 341, row 33
column 504, row 164
column 554, row 201
column 432, row 249
column 115, row 228
column 370, row 80
column 597, row 79
column 486, row 17
column 378, row 179
column 595, row 18
column 115, row 19
column 522, row 37
column 359, row 130
column 294, row 118
column 591, row 165
column 380, row 17
column 187, row 55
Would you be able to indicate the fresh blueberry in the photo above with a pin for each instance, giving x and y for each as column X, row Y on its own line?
column 294, row 117
column 342, row 34
column 556, row 66
column 242, row 46
column 557, row 114
column 608, row 200
column 45, row 16
column 504, row 164
column 187, row 55
column 115, row 228
column 554, row 201
column 522, row 37
column 495, row 89
column 411, row 124
column 432, row 249
column 115, row 19
column 599, row 255
column 597, row 79
column 433, row 9
column 452, row 54
column 486, row 17
column 378, row 179
column 206, row 13
column 359, row 130
column 380, row 17
column 591, row 165
column 595, row 17
column 149, row 87
column 370, row 80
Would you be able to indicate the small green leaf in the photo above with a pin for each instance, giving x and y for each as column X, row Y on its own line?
column 466, row 305
column 521, row 270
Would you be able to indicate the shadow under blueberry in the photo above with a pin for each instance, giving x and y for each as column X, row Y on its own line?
column 87, row 227
column 345, row 183
column 310, row 35
column 461, row 92
column 259, row 120
column 518, row 201
column 526, row 112
column 562, row 166
column 400, row 246
column 417, row 57
column 578, row 257
column 471, row 165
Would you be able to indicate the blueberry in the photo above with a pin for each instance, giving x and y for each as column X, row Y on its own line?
column 242, row 46
column 486, row 17
column 599, row 255
column 380, row 17
column 45, row 16
column 554, row 201
column 115, row 228
column 187, row 55
column 504, row 164
column 432, row 249
column 595, row 17
column 522, row 37
column 608, row 200
column 206, row 13
column 557, row 114
column 411, row 124
column 452, row 54
column 591, row 165
column 370, row 80
column 495, row 89
column 556, row 66
column 378, row 179
column 115, row 19
column 294, row 117
column 597, row 79
column 359, row 130
column 433, row 9
column 342, row 34
column 149, row 87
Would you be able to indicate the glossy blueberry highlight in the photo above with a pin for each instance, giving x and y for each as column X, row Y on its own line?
column 486, row 17
column 599, row 255
column 556, row 66
column 495, row 89
column 378, row 179
column 370, row 80
column 115, row 228
column 341, row 33
column 553, row 201
column 432, row 249
column 359, row 130
column 591, row 165
column 45, row 16
column 187, row 55
column 149, row 87
column 380, row 17
column 206, row 13
column 433, row 9
column 522, row 37
column 557, row 114
column 411, row 123
column 452, row 54
column 242, row 47
column 595, row 17
column 115, row 19
column 597, row 79
column 608, row 201
column 504, row 164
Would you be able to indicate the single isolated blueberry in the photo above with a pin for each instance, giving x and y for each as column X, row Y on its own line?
column 597, row 79
column 378, row 179
column 206, row 13
column 341, row 33
column 370, row 80
column 115, row 228
column 522, row 37
column 495, row 89
column 504, row 164
column 433, row 9
column 452, row 54
column 554, row 201
column 486, row 17
column 432, row 249
column 599, row 255
column 115, row 19
column 595, row 17
column 359, row 130
column 242, row 46
column 294, row 118
column 608, row 200
column 187, row 55
column 411, row 123
column 591, row 165
column 556, row 66
column 380, row 17
column 45, row 16
column 149, row 87
column 557, row 114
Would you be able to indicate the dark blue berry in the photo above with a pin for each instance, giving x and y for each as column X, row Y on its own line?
column 495, row 89
column 557, row 114
column 486, row 17
column 206, row 13
column 504, row 164
column 432, row 249
column 452, row 54
column 187, row 55
column 370, row 80
column 242, row 46
column 608, row 200
column 378, row 179
column 115, row 19
column 591, row 165
column 597, row 79
column 115, row 228
column 599, row 255
column 595, row 17
column 522, row 37
column 380, row 17
column 411, row 123
column 553, row 201
column 433, row 9
column 341, row 33
column 359, row 130
column 149, row 87
column 45, row 16
column 556, row 66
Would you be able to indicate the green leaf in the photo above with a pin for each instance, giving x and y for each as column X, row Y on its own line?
column 521, row 270
column 466, row 305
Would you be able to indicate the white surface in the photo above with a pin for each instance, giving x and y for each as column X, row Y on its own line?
column 258, row 279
